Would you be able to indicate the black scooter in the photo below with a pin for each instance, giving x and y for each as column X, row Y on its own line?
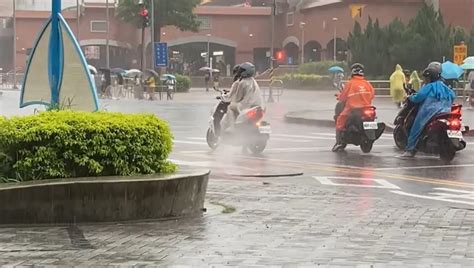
column 442, row 135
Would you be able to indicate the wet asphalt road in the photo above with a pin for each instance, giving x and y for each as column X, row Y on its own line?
column 295, row 148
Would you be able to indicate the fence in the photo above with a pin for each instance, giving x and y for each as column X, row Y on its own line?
column 7, row 80
column 271, row 89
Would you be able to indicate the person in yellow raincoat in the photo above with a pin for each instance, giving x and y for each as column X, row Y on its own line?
column 415, row 81
column 397, row 91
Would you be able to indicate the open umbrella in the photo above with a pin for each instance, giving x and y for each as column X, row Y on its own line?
column 117, row 70
column 150, row 72
column 208, row 69
column 468, row 63
column 168, row 76
column 451, row 70
column 336, row 69
column 132, row 72
column 92, row 69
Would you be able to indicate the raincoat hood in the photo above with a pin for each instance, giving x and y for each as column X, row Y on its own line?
column 399, row 68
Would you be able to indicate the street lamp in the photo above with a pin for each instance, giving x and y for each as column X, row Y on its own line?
column 14, row 45
column 302, row 24
column 335, row 37
column 208, row 50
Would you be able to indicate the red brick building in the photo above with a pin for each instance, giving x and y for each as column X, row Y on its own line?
column 235, row 33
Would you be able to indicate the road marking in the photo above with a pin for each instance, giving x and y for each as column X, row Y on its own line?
column 380, row 183
column 424, row 167
column 192, row 163
column 197, row 138
column 302, row 137
column 383, row 137
column 444, row 197
column 189, row 142
column 357, row 170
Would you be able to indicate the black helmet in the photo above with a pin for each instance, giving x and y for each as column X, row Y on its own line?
column 357, row 69
column 433, row 71
column 247, row 70
column 236, row 69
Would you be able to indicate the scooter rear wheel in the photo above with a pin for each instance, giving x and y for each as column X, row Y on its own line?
column 366, row 146
column 258, row 146
column 447, row 152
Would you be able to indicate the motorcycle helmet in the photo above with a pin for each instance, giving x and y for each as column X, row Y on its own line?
column 247, row 70
column 235, row 72
column 433, row 71
column 357, row 69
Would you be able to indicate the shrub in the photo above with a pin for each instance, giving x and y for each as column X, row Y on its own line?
column 305, row 81
column 65, row 144
column 320, row 68
column 183, row 83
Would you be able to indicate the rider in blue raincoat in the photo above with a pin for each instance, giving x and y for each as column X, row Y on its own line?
column 433, row 98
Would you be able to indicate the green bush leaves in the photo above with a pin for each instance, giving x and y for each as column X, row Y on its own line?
column 65, row 144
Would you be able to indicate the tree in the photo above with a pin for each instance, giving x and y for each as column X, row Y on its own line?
column 167, row 12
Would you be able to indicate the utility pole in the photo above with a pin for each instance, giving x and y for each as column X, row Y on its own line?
column 14, row 46
column 152, row 26
column 78, row 24
column 272, row 44
column 107, row 47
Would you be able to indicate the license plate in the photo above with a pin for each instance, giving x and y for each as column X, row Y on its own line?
column 370, row 125
column 265, row 130
column 454, row 134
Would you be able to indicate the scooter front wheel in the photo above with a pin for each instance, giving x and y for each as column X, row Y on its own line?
column 212, row 139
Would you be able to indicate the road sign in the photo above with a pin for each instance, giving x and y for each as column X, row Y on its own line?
column 460, row 53
column 161, row 55
column 356, row 10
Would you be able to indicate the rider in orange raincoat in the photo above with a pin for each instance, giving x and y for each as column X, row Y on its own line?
column 357, row 93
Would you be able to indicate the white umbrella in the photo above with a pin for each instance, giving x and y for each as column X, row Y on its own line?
column 133, row 72
column 92, row 69
column 208, row 69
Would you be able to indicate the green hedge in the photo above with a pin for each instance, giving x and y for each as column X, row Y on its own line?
column 183, row 83
column 305, row 81
column 65, row 144
column 320, row 67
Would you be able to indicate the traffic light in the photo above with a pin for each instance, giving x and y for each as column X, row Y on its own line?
column 144, row 15
column 280, row 55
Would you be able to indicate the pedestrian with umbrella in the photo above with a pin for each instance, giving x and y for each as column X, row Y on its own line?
column 468, row 66
column 150, row 81
column 338, row 76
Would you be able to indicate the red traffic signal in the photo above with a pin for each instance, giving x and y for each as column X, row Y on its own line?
column 144, row 12
column 280, row 55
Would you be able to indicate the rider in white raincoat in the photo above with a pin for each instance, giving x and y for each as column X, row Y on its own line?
column 245, row 94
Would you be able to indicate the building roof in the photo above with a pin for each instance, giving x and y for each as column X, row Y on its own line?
column 307, row 4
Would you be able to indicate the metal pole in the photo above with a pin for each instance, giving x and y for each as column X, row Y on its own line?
column 78, row 33
column 335, row 38
column 208, row 50
column 153, row 33
column 302, row 42
column 272, row 44
column 107, row 47
column 14, row 45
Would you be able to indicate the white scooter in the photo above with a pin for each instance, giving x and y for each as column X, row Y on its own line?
column 250, row 130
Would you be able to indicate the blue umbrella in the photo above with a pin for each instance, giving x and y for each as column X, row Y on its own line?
column 468, row 63
column 451, row 70
column 336, row 69
column 169, row 76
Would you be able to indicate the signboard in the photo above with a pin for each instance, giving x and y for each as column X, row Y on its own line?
column 460, row 53
column 161, row 55
column 356, row 10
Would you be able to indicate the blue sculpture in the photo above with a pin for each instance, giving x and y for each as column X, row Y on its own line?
column 57, row 73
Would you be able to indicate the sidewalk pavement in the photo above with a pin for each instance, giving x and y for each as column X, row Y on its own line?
column 323, row 112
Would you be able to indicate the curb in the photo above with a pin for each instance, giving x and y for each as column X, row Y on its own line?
column 291, row 118
column 104, row 199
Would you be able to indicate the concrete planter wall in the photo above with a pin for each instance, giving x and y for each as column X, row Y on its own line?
column 103, row 199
